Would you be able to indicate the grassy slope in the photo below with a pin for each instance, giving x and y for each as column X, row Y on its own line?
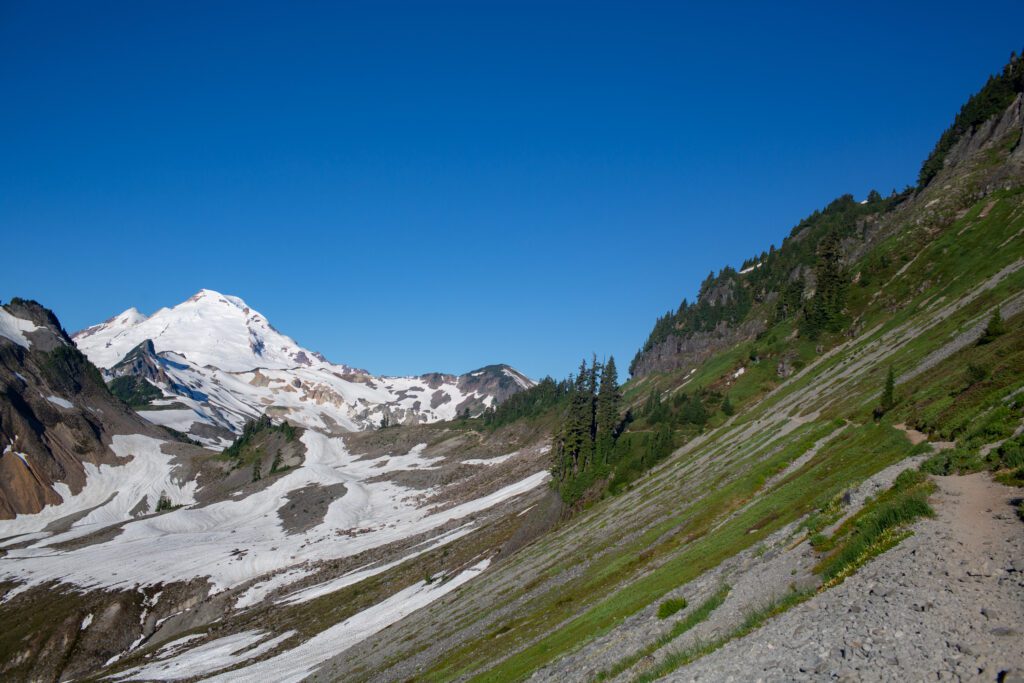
column 706, row 503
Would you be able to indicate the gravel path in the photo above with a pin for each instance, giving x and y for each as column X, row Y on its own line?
column 945, row 604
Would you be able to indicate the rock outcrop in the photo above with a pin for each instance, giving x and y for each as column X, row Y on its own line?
column 55, row 411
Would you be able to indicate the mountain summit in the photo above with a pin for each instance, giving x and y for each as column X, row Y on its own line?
column 209, row 364
column 208, row 328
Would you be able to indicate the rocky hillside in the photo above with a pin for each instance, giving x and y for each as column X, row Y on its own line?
column 209, row 364
column 738, row 305
column 810, row 530
column 57, row 418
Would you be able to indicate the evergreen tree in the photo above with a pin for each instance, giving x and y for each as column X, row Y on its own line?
column 888, row 400
column 609, row 402
column 693, row 412
column 995, row 328
column 824, row 311
column 727, row 406
column 889, row 394
column 575, row 441
column 593, row 382
column 790, row 300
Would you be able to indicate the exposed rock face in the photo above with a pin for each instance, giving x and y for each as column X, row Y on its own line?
column 679, row 352
column 55, row 411
column 989, row 134
column 496, row 381
column 143, row 362
column 937, row 203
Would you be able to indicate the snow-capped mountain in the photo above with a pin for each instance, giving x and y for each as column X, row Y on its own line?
column 138, row 535
column 218, row 363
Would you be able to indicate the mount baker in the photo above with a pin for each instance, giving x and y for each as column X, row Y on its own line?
column 209, row 364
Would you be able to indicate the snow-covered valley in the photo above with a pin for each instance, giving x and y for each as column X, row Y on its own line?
column 167, row 551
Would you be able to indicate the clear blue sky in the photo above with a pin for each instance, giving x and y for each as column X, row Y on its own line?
column 436, row 186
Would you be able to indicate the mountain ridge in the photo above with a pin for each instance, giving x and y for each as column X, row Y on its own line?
column 220, row 363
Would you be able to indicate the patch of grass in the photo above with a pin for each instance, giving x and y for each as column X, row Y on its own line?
column 670, row 607
column 953, row 461
column 1012, row 477
column 960, row 460
column 877, row 527
column 752, row 621
column 696, row 616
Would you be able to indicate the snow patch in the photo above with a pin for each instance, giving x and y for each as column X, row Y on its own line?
column 15, row 328
column 209, row 657
column 497, row 460
column 299, row 662
column 232, row 541
column 358, row 575
column 109, row 494
column 58, row 401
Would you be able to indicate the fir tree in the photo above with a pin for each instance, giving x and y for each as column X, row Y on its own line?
column 889, row 394
column 727, row 406
column 694, row 412
column 575, row 440
column 995, row 328
column 824, row 310
column 609, row 402
column 888, row 399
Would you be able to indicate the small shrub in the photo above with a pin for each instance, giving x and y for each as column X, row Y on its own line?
column 1009, row 455
column 953, row 461
column 1012, row 478
column 670, row 607
column 976, row 373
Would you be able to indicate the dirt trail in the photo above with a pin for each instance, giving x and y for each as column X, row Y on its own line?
column 945, row 604
column 978, row 518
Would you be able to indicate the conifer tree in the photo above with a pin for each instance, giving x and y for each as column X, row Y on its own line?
column 889, row 392
column 693, row 412
column 575, row 441
column 995, row 328
column 727, row 406
column 824, row 311
column 609, row 401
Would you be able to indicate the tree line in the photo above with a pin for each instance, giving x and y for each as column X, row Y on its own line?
column 585, row 443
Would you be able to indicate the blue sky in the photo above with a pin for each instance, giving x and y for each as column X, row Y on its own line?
column 437, row 186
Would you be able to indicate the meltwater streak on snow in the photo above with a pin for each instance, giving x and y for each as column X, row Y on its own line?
column 299, row 662
column 15, row 328
column 234, row 541
column 212, row 656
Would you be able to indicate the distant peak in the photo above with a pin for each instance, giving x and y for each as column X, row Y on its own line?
column 213, row 296
column 206, row 294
